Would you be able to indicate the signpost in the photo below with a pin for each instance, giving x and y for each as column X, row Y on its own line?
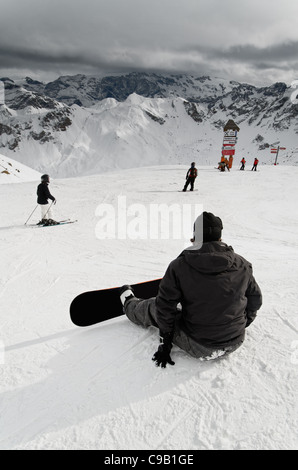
column 276, row 151
column 228, row 152
column 229, row 141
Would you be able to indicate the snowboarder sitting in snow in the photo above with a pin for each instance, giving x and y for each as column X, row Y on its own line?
column 191, row 175
column 215, row 289
column 221, row 166
column 43, row 194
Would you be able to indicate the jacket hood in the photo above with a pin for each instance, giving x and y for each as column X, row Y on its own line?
column 211, row 257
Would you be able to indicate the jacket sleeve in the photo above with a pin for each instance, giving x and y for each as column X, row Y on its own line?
column 168, row 297
column 254, row 300
column 48, row 194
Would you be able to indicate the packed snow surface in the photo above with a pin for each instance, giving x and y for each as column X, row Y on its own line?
column 65, row 387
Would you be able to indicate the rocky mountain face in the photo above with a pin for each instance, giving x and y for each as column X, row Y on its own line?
column 19, row 111
column 71, row 115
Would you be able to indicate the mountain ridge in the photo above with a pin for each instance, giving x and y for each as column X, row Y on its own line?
column 81, row 124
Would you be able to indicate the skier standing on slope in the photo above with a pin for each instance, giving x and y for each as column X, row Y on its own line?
column 191, row 175
column 254, row 168
column 43, row 194
column 215, row 288
column 243, row 161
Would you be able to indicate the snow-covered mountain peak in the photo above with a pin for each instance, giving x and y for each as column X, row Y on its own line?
column 81, row 124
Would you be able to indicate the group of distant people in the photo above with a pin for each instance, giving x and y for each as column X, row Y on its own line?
column 255, row 164
column 43, row 193
column 224, row 164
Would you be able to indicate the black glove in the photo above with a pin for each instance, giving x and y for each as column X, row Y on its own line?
column 54, row 202
column 250, row 316
column 162, row 356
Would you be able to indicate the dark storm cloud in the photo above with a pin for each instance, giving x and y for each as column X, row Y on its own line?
column 283, row 57
column 13, row 58
column 273, row 53
column 245, row 39
column 21, row 57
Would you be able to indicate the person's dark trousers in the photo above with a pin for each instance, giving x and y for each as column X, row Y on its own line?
column 143, row 312
column 190, row 181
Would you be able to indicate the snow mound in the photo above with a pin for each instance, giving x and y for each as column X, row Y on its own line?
column 12, row 171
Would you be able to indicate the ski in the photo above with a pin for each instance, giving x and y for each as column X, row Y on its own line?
column 62, row 222
column 59, row 222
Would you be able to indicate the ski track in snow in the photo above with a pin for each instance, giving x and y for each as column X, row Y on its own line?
column 63, row 387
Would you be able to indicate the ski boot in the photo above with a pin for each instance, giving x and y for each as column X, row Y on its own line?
column 52, row 222
column 126, row 293
column 42, row 222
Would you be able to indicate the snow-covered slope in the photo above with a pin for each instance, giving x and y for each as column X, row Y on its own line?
column 12, row 171
column 63, row 387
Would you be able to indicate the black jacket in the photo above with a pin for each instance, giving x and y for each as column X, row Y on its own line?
column 217, row 291
column 43, row 193
column 192, row 173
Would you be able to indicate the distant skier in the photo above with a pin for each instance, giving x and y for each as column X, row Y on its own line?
column 43, row 194
column 206, row 299
column 254, row 168
column 191, row 175
column 243, row 161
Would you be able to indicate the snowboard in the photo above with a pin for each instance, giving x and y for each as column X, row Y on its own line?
column 187, row 191
column 97, row 306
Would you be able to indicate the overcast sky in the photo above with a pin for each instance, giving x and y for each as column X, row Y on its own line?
column 253, row 41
